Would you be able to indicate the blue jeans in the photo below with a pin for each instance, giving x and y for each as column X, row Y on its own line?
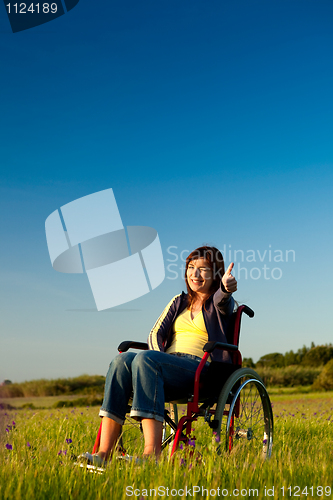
column 153, row 376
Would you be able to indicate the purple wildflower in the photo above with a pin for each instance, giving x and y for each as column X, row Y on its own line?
column 62, row 452
column 217, row 438
column 265, row 441
column 191, row 442
column 69, row 441
column 28, row 444
column 9, row 446
column 182, row 461
column 181, row 447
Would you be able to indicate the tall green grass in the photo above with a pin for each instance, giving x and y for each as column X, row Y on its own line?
column 44, row 444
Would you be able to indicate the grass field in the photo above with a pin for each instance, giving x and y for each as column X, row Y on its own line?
column 50, row 401
column 38, row 450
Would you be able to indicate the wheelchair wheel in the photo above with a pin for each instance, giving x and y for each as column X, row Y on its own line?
column 131, row 438
column 244, row 417
column 131, row 441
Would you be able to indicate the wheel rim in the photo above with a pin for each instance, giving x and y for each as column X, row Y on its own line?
column 244, row 418
column 253, row 423
column 131, row 439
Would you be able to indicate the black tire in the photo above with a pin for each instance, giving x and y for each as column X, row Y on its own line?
column 244, row 417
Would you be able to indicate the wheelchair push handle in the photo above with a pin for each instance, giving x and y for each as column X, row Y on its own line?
column 247, row 310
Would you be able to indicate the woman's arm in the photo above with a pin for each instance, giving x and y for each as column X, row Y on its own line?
column 158, row 335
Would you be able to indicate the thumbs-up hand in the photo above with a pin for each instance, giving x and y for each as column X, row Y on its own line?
column 229, row 281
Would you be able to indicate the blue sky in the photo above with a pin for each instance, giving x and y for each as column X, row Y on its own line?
column 211, row 121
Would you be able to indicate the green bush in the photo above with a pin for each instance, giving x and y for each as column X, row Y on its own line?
column 85, row 384
column 11, row 391
column 248, row 363
column 325, row 378
column 6, row 406
column 288, row 376
column 78, row 402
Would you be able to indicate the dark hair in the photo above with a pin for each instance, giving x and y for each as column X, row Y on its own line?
column 215, row 261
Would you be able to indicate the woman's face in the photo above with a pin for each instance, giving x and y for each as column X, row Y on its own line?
column 199, row 276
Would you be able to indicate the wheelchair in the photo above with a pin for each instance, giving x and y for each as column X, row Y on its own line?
column 232, row 400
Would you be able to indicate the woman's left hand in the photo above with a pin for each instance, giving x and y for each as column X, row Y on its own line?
column 229, row 281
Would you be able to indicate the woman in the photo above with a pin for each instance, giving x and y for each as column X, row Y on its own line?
column 167, row 369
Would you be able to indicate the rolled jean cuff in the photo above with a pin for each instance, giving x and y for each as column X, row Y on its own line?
column 145, row 414
column 104, row 413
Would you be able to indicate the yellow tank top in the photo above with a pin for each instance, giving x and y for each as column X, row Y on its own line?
column 189, row 335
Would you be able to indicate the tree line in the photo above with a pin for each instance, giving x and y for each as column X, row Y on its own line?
column 314, row 356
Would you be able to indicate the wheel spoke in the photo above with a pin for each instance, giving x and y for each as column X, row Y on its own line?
column 251, row 413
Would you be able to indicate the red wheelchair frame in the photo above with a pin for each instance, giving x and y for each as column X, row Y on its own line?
column 242, row 400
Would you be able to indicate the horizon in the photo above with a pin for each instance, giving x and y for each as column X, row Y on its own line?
column 313, row 345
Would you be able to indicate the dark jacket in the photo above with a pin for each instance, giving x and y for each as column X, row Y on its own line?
column 216, row 312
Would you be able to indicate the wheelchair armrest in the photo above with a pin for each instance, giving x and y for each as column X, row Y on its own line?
column 211, row 345
column 132, row 344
